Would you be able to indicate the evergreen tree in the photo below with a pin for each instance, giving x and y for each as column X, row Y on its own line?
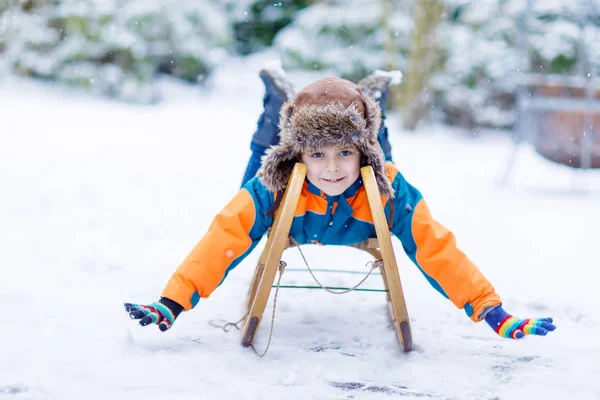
column 483, row 58
column 346, row 37
column 256, row 22
column 116, row 47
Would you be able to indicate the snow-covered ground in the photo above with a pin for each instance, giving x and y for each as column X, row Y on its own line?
column 100, row 201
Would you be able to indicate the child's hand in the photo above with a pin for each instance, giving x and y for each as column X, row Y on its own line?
column 511, row 327
column 162, row 313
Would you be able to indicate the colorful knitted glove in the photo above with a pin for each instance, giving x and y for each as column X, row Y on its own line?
column 511, row 327
column 162, row 313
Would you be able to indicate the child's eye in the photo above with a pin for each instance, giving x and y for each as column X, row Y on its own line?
column 345, row 153
column 317, row 155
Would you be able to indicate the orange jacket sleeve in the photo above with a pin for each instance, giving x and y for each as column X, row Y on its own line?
column 232, row 235
column 433, row 249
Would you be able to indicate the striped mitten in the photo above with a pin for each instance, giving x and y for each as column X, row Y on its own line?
column 511, row 327
column 162, row 313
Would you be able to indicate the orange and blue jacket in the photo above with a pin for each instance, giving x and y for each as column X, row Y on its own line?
column 333, row 220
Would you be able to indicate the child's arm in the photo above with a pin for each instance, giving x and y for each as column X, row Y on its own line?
column 433, row 249
column 233, row 234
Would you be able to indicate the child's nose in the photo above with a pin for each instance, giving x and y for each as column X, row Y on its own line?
column 333, row 165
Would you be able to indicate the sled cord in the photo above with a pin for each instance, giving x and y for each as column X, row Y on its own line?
column 226, row 326
column 374, row 264
column 282, row 266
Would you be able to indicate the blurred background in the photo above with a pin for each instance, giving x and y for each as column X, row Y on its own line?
column 521, row 65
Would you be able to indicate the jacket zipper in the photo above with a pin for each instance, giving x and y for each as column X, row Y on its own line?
column 328, row 219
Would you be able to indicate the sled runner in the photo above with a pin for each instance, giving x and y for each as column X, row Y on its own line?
column 380, row 248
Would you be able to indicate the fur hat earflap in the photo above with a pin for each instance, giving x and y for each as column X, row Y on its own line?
column 329, row 112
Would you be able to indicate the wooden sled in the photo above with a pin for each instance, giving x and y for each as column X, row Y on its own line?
column 278, row 241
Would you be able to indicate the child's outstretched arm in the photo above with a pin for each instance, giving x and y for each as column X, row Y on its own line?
column 233, row 234
column 433, row 249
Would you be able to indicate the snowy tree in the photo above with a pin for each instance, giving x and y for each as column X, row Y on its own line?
column 477, row 44
column 116, row 46
column 345, row 37
column 256, row 22
column 483, row 54
column 424, row 58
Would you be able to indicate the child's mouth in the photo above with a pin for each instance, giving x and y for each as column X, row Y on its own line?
column 333, row 180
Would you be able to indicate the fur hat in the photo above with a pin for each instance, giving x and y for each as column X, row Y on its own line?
column 330, row 111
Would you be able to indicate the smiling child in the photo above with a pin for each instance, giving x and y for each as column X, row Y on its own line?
column 332, row 127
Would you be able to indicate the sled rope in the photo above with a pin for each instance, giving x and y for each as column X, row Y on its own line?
column 374, row 264
column 282, row 266
column 228, row 325
column 332, row 287
column 337, row 271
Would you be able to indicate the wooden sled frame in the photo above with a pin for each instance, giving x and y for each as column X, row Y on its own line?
column 278, row 240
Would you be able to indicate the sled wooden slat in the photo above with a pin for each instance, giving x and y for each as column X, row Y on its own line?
column 399, row 312
column 380, row 248
column 269, row 260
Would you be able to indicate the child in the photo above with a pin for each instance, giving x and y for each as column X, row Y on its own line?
column 332, row 127
column 278, row 90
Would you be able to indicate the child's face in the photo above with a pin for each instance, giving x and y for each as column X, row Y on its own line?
column 332, row 169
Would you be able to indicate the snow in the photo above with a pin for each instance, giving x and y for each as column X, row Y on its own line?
column 275, row 66
column 395, row 76
column 559, row 38
column 100, row 202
